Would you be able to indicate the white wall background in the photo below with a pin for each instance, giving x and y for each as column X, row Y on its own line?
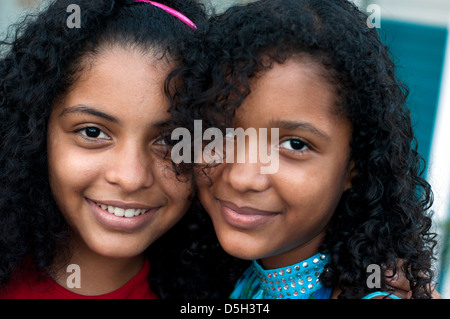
column 439, row 165
column 12, row 10
column 430, row 12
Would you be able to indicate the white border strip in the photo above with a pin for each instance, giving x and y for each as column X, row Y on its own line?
column 439, row 160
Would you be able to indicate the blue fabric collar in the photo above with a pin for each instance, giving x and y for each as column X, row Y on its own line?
column 292, row 281
column 298, row 281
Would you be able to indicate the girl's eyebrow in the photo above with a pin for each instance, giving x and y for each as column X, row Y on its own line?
column 93, row 111
column 88, row 110
column 294, row 125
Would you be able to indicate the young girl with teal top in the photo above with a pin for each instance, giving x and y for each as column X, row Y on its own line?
column 348, row 192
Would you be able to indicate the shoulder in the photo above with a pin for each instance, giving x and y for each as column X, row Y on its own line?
column 373, row 295
column 380, row 295
column 27, row 284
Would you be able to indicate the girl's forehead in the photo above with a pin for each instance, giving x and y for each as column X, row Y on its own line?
column 294, row 97
column 290, row 83
column 120, row 83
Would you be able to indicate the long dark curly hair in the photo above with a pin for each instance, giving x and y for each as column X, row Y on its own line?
column 39, row 63
column 384, row 217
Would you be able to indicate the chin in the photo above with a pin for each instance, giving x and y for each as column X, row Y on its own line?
column 240, row 249
column 122, row 250
column 121, row 254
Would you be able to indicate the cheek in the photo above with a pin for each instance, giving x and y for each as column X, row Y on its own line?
column 312, row 194
column 179, row 194
column 70, row 171
column 209, row 179
column 209, row 185
column 177, row 189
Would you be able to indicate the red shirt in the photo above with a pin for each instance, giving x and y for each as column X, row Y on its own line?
column 30, row 287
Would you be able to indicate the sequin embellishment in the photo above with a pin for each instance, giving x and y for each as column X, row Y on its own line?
column 300, row 280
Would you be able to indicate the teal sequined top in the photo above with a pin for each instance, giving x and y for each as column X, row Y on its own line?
column 298, row 281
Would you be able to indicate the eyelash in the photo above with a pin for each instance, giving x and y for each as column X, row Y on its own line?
column 305, row 145
column 90, row 138
column 160, row 141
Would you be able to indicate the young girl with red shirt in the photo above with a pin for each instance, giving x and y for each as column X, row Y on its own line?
column 84, row 174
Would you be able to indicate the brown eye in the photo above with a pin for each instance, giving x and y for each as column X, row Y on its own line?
column 94, row 132
column 294, row 145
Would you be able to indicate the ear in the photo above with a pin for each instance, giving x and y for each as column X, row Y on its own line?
column 351, row 173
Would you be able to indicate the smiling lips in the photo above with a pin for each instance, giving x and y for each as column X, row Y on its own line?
column 123, row 212
column 120, row 216
column 245, row 217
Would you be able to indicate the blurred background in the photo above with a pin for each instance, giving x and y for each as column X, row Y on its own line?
column 417, row 33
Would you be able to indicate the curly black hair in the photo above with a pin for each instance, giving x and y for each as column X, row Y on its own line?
column 385, row 216
column 38, row 65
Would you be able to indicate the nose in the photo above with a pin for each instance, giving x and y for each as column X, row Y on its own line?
column 245, row 177
column 130, row 168
column 242, row 170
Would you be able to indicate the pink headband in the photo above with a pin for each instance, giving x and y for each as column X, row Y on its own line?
column 173, row 12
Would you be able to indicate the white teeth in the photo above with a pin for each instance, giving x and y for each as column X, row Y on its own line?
column 130, row 212
column 121, row 212
column 118, row 211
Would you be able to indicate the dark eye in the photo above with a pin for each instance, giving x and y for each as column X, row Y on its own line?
column 94, row 132
column 294, row 145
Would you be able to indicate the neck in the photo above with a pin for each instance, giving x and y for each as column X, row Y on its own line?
column 294, row 255
column 98, row 274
